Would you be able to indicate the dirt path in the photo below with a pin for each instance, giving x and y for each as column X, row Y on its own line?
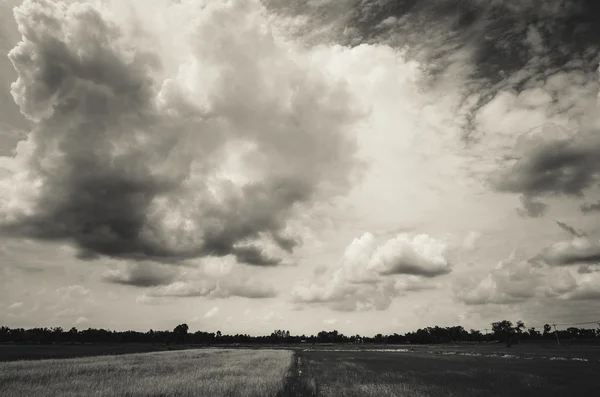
column 296, row 383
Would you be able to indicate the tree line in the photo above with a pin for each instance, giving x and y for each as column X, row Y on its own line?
column 500, row 331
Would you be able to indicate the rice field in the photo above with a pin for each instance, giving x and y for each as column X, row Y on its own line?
column 389, row 373
column 312, row 372
column 214, row 373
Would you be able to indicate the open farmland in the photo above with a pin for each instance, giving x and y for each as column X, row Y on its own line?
column 430, row 371
column 14, row 352
column 181, row 373
column 388, row 373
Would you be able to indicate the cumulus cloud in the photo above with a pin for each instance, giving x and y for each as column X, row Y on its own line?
column 421, row 255
column 580, row 250
column 143, row 151
column 514, row 281
column 548, row 275
column 253, row 255
column 8, row 137
column 589, row 288
column 557, row 154
column 368, row 276
column 535, row 103
column 214, row 289
column 549, row 166
column 141, row 274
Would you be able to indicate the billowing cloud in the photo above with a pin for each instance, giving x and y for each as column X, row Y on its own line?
column 214, row 289
column 589, row 288
column 514, row 281
column 556, row 149
column 141, row 274
column 580, row 250
column 553, row 166
column 9, row 137
column 253, row 255
column 368, row 277
column 421, row 255
column 143, row 151
column 548, row 275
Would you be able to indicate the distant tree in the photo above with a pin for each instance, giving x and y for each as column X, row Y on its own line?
column 533, row 334
column 4, row 334
column 180, row 333
column 547, row 329
column 73, row 335
column 504, row 331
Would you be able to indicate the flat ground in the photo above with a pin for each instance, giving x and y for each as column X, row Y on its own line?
column 11, row 352
column 213, row 373
column 310, row 371
column 381, row 373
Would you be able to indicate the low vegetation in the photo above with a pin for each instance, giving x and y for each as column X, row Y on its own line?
column 211, row 372
column 311, row 371
column 368, row 373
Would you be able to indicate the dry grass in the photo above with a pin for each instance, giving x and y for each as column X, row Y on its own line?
column 181, row 373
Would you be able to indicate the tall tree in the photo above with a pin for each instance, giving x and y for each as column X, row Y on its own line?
column 180, row 333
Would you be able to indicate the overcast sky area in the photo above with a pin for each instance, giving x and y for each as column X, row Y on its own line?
column 371, row 166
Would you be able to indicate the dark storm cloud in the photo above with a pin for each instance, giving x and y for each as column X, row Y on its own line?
column 124, row 165
column 499, row 31
column 506, row 46
column 493, row 45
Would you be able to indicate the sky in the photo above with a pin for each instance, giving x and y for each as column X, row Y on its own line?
column 370, row 166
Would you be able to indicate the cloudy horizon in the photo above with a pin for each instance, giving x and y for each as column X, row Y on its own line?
column 244, row 165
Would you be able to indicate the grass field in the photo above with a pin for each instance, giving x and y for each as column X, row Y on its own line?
column 214, row 373
column 311, row 371
column 11, row 352
column 381, row 373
